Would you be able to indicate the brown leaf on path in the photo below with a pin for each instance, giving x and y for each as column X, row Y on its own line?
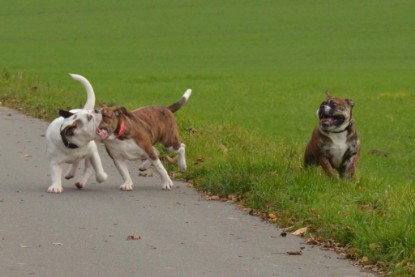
column 312, row 241
column 295, row 252
column 134, row 237
column 57, row 243
column 211, row 197
column 233, row 197
column 145, row 174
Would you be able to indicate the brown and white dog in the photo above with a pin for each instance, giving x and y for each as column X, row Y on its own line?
column 334, row 143
column 131, row 136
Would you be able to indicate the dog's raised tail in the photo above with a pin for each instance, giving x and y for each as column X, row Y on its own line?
column 177, row 105
column 90, row 101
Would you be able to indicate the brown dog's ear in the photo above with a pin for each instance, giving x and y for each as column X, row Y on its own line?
column 120, row 110
column 350, row 102
column 328, row 94
column 65, row 114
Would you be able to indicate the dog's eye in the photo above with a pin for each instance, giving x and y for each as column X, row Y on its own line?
column 89, row 117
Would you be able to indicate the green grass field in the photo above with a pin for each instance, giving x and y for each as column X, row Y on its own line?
column 258, row 70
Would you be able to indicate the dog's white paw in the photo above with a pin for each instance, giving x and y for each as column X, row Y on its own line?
column 102, row 177
column 126, row 187
column 55, row 189
column 167, row 185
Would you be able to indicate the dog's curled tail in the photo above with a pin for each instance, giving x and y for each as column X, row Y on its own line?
column 90, row 101
column 176, row 106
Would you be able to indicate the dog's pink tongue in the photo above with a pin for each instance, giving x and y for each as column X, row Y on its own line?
column 102, row 133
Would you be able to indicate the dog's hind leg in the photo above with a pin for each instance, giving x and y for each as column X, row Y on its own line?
column 181, row 153
column 85, row 175
column 166, row 182
column 72, row 170
column 146, row 162
column 95, row 160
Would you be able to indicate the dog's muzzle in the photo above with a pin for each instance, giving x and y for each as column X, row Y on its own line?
column 328, row 118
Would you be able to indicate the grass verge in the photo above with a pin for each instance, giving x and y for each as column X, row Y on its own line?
column 368, row 218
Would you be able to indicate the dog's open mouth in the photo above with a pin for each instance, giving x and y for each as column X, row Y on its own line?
column 330, row 120
column 102, row 133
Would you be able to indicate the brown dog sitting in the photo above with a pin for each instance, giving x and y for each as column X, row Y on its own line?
column 131, row 136
column 334, row 143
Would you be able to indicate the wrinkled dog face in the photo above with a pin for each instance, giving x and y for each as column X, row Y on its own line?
column 80, row 126
column 335, row 113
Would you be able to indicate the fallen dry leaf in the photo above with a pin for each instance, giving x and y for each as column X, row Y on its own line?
column 211, row 197
column 223, row 148
column 145, row 174
column 134, row 237
column 232, row 197
column 171, row 160
column 26, row 155
column 199, row 160
column 57, row 243
column 300, row 232
column 295, row 252
column 313, row 241
column 365, row 260
column 192, row 130
column 272, row 216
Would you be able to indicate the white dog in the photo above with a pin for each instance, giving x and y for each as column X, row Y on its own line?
column 70, row 139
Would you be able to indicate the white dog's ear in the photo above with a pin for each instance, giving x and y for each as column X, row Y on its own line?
column 65, row 114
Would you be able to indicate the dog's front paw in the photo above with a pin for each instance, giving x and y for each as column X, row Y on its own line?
column 167, row 185
column 55, row 189
column 126, row 187
column 102, row 177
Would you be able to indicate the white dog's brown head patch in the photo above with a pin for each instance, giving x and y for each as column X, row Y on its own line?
column 79, row 127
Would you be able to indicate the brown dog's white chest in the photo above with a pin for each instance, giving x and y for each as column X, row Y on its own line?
column 337, row 148
column 124, row 149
